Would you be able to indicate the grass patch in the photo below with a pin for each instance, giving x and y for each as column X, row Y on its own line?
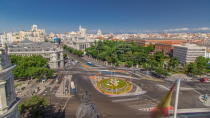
column 106, row 86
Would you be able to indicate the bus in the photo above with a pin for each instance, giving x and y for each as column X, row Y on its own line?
column 90, row 63
column 73, row 88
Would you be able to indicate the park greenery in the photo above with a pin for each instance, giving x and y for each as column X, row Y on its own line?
column 108, row 84
column 34, row 107
column 73, row 51
column 30, row 67
column 114, row 86
column 131, row 54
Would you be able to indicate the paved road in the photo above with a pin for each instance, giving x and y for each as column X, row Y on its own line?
column 134, row 106
column 104, row 104
column 131, row 106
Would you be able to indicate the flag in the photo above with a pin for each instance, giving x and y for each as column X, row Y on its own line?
column 164, row 107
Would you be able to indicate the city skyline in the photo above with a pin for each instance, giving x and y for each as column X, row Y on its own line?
column 109, row 16
column 104, row 58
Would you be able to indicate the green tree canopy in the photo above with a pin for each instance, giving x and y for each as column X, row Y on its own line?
column 33, row 107
column 30, row 67
column 73, row 51
column 199, row 67
column 119, row 52
column 192, row 69
column 173, row 64
column 202, row 65
column 130, row 54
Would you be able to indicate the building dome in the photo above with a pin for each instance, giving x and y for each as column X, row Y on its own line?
column 56, row 40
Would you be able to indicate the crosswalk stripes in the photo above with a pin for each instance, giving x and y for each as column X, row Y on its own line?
column 147, row 109
column 142, row 103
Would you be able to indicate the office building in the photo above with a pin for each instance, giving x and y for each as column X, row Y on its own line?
column 188, row 53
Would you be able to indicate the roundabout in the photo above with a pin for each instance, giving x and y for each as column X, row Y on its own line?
column 114, row 85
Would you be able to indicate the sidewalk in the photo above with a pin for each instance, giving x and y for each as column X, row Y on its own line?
column 42, row 86
column 61, row 92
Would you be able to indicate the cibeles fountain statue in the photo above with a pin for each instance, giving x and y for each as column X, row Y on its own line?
column 8, row 99
column 86, row 109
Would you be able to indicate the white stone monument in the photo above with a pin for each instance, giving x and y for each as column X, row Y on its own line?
column 8, row 100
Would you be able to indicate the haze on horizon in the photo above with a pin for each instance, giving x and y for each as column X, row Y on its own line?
column 138, row 16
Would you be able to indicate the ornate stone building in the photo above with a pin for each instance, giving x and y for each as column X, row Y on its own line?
column 78, row 40
column 8, row 99
column 34, row 34
column 50, row 51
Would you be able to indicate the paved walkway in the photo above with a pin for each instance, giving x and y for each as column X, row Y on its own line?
column 60, row 92
column 42, row 86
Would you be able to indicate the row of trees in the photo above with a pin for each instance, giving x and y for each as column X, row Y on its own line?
column 30, row 67
column 131, row 54
column 34, row 107
column 73, row 51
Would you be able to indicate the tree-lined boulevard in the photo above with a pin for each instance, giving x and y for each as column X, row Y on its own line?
column 136, row 105
column 128, row 54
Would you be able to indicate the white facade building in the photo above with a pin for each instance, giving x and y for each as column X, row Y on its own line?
column 52, row 52
column 99, row 33
column 207, row 52
column 35, row 35
column 82, row 31
column 78, row 40
column 8, row 99
column 6, row 38
column 188, row 53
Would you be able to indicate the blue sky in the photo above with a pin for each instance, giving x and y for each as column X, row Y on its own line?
column 108, row 15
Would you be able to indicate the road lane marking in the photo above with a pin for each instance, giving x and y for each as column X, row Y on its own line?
column 126, row 99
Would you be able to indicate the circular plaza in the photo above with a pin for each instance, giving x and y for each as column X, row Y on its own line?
column 114, row 85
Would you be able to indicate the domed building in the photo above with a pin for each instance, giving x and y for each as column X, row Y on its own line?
column 57, row 40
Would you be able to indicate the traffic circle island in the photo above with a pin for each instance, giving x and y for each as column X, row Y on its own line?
column 113, row 85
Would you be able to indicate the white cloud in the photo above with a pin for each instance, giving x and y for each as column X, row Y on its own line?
column 201, row 29
column 187, row 29
column 177, row 29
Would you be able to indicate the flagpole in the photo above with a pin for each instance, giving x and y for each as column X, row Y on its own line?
column 177, row 98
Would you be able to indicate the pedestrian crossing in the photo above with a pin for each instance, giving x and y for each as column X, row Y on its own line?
column 147, row 103
column 140, row 102
column 203, row 88
column 147, row 109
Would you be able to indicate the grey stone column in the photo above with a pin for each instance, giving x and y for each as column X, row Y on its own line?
column 3, row 99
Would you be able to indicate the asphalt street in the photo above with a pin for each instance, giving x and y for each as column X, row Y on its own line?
column 127, row 106
column 104, row 104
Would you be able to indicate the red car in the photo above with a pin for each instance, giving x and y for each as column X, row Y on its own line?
column 205, row 79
